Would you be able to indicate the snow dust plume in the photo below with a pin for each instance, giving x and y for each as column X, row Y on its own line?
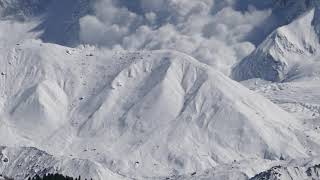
column 212, row 31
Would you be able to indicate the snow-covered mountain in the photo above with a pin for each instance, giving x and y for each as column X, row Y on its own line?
column 289, row 53
column 107, row 112
column 140, row 114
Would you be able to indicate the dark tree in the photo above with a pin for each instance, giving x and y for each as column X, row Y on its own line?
column 54, row 177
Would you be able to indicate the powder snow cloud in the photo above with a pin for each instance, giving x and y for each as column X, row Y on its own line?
column 213, row 31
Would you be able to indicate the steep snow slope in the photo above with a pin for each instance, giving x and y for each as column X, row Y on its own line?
column 289, row 53
column 301, row 99
column 139, row 114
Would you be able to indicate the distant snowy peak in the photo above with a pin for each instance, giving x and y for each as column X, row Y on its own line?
column 285, row 50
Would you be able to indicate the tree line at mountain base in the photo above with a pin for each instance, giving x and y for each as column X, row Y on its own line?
column 55, row 177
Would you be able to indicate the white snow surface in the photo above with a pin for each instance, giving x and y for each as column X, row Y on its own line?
column 301, row 99
column 135, row 114
column 110, row 114
column 290, row 53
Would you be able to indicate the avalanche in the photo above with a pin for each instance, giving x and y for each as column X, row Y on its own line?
column 108, row 113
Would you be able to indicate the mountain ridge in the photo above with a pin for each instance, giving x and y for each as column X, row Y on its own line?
column 106, row 112
column 280, row 54
column 137, row 91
